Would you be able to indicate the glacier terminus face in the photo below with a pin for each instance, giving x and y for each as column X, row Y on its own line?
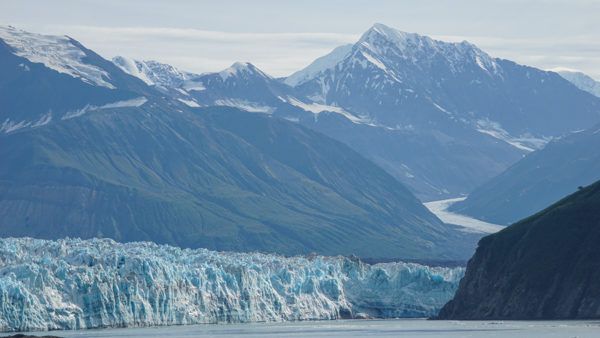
column 75, row 284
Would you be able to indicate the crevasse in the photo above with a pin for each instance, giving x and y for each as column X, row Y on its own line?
column 76, row 284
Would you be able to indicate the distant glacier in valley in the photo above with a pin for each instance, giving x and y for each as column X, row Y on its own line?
column 76, row 284
column 469, row 224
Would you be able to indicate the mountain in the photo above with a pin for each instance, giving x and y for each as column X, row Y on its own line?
column 63, row 76
column 246, row 87
column 581, row 81
column 319, row 65
column 153, row 72
column 160, row 76
column 443, row 118
column 467, row 115
column 123, row 160
column 546, row 266
column 412, row 156
column 396, row 79
column 434, row 164
column 242, row 85
column 98, row 283
column 538, row 180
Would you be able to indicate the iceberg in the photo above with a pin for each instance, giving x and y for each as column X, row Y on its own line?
column 77, row 284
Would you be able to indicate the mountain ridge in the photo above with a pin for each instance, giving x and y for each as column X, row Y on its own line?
column 148, row 166
column 544, row 267
column 581, row 81
column 415, row 105
column 538, row 180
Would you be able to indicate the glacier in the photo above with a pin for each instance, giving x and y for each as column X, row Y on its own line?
column 60, row 53
column 97, row 283
column 467, row 223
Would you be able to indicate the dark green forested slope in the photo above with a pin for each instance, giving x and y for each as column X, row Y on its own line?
column 215, row 178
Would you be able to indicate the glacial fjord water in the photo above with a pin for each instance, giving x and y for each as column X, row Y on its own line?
column 358, row 328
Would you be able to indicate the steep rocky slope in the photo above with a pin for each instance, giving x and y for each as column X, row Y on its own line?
column 546, row 266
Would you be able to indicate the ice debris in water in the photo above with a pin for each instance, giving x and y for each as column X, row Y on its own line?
column 75, row 284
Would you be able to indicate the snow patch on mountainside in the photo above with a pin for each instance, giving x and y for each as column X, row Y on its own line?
column 76, row 284
column 317, row 108
column 241, row 68
column 9, row 126
column 153, row 72
column 469, row 224
column 248, row 106
column 374, row 61
column 135, row 102
column 55, row 52
column 44, row 120
column 193, row 85
column 133, row 68
column 189, row 103
column 442, row 109
column 528, row 143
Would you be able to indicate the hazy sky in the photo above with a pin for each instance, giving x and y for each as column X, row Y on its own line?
column 283, row 36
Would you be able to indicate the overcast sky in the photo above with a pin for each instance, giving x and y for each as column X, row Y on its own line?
column 282, row 36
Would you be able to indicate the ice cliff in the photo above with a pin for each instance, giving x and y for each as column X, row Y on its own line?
column 75, row 284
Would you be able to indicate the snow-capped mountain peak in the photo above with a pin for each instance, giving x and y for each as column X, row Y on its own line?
column 319, row 65
column 380, row 31
column 383, row 42
column 134, row 68
column 580, row 80
column 397, row 56
column 244, row 69
column 386, row 41
column 153, row 72
column 60, row 53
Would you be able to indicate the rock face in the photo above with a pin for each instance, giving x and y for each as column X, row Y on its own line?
column 545, row 267
column 75, row 284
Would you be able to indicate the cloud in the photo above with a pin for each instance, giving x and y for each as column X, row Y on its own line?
column 281, row 54
column 574, row 52
column 196, row 50
column 563, row 69
column 582, row 44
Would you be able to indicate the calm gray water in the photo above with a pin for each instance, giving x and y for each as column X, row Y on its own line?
column 359, row 328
